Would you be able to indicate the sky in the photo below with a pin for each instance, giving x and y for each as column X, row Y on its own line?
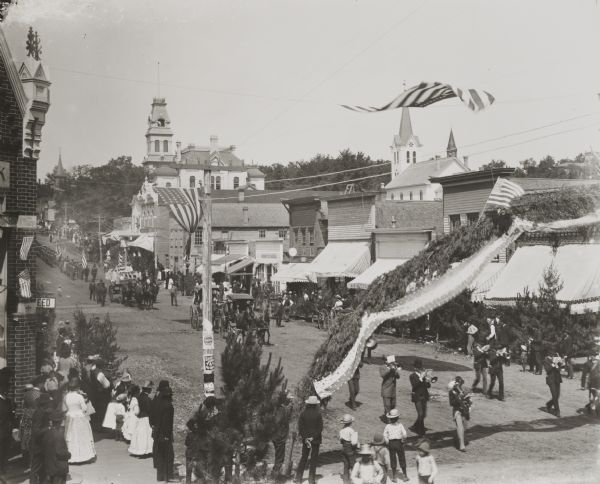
column 269, row 75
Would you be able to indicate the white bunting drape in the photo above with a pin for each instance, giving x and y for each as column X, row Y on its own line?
column 437, row 293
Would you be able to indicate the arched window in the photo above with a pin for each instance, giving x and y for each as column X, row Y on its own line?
column 161, row 123
column 157, row 146
column 408, row 156
column 166, row 146
column 402, row 196
column 410, row 195
column 168, row 184
column 420, row 194
column 236, row 182
column 414, row 156
column 192, row 182
column 218, row 187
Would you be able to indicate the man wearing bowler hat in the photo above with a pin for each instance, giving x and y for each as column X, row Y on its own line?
column 310, row 427
column 389, row 374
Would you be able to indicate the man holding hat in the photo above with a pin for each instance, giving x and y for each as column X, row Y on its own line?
column 389, row 374
column 310, row 428
column 420, row 396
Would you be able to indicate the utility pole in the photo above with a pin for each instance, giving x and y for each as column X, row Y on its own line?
column 99, row 242
column 208, row 338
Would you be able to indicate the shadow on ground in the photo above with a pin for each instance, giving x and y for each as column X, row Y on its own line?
column 406, row 362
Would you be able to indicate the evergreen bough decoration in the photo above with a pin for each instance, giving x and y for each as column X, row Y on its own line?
column 436, row 259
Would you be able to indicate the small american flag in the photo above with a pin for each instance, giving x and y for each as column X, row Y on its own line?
column 25, row 283
column 427, row 93
column 121, row 262
column 83, row 261
column 25, row 246
column 503, row 193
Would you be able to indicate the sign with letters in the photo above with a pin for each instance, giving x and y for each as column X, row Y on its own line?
column 46, row 302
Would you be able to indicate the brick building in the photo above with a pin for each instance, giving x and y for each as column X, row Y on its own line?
column 24, row 101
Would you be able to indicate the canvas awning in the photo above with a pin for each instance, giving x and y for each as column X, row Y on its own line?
column 485, row 280
column 379, row 267
column 293, row 272
column 144, row 241
column 578, row 266
column 341, row 259
column 239, row 265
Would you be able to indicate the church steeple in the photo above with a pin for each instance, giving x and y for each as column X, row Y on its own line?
column 451, row 150
column 405, row 131
column 59, row 172
column 159, row 136
column 406, row 146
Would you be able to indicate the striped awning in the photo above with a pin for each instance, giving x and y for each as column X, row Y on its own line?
column 379, row 267
column 293, row 272
column 341, row 259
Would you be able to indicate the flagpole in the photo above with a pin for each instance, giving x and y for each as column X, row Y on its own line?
column 208, row 340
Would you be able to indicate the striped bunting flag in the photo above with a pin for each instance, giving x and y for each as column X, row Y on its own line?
column 25, row 283
column 427, row 93
column 503, row 193
column 83, row 260
column 25, row 246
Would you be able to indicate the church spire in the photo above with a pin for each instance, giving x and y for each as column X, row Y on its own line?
column 59, row 171
column 405, row 131
column 451, row 150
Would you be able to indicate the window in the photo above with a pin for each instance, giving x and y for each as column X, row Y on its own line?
column 282, row 234
column 166, row 146
column 157, row 146
column 420, row 194
column 192, row 182
column 198, row 237
column 408, row 156
column 454, row 222
column 236, row 182
column 392, row 196
column 410, row 195
column 212, row 182
column 168, row 184
column 218, row 184
column 219, row 247
column 472, row 218
column 161, row 123
column 402, row 196
column 311, row 236
column 414, row 156
column 262, row 233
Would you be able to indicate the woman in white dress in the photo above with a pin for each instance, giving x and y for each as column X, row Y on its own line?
column 78, row 432
column 133, row 409
column 141, row 440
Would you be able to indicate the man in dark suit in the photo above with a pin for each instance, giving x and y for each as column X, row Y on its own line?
column 566, row 350
column 552, row 365
column 389, row 374
column 310, row 427
column 497, row 358
column 420, row 396
column 55, row 451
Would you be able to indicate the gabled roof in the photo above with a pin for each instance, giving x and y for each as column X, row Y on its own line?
column 13, row 74
column 260, row 215
column 200, row 155
column 254, row 172
column 410, row 215
column 420, row 173
column 164, row 170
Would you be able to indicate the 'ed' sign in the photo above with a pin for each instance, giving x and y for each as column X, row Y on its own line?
column 4, row 174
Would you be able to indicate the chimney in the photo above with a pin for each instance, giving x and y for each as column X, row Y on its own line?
column 466, row 161
column 245, row 215
column 214, row 143
column 241, row 195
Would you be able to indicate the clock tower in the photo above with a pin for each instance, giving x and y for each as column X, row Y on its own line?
column 406, row 147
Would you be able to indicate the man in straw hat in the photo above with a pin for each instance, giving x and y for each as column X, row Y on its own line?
column 366, row 470
column 426, row 466
column 394, row 435
column 420, row 395
column 389, row 374
column 349, row 441
column 310, row 428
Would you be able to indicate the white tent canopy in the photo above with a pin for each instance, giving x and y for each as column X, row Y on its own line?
column 341, row 259
column 578, row 266
column 293, row 272
column 485, row 280
column 379, row 267
column 144, row 241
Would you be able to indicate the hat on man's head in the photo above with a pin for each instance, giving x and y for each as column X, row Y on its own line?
column 163, row 384
column 378, row 439
column 390, row 359
column 423, row 446
column 418, row 363
column 365, row 449
column 148, row 384
column 29, row 386
column 126, row 378
column 347, row 418
column 312, row 400
column 393, row 414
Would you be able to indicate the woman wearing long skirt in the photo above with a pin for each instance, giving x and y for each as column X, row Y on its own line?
column 78, row 432
column 163, row 433
column 141, row 440
column 133, row 410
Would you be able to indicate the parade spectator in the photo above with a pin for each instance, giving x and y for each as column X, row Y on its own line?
column 367, row 470
column 92, row 289
column 101, row 293
column 497, row 359
column 155, row 408
column 141, row 440
column 279, row 312
column 78, row 432
column 133, row 410
column 282, row 425
column 39, row 423
column 381, row 455
column 394, row 436
column 566, row 351
column 389, row 374
column 86, row 273
column 460, row 411
column 552, row 365
column 427, row 468
column 287, row 307
column 492, row 330
column 163, row 435
column 480, row 365
column 420, row 396
column 173, row 292
column 6, row 424
column 30, row 397
column 99, row 391
column 537, row 346
column 310, row 428
column 94, row 272
column 354, row 387
column 198, row 453
column 585, row 371
column 55, row 450
column 349, row 440
column 471, row 332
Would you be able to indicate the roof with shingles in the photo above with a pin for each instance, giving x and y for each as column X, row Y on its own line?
column 419, row 173
column 410, row 215
column 260, row 215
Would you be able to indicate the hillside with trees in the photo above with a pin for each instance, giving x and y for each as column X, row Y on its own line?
column 548, row 167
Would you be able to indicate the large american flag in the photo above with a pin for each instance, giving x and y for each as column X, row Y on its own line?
column 25, row 283
column 185, row 206
column 25, row 246
column 427, row 93
column 503, row 193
